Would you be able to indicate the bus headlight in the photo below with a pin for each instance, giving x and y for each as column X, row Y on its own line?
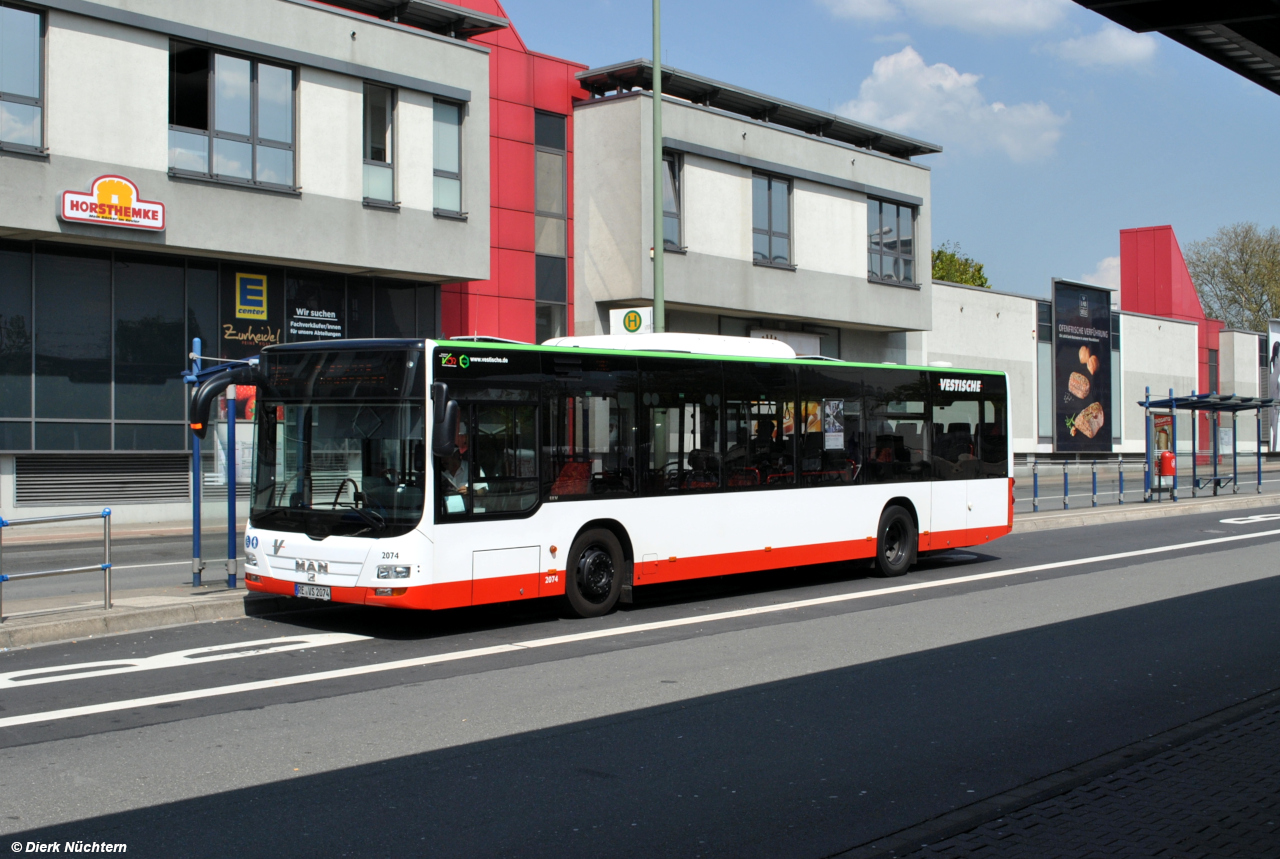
column 250, row 559
column 389, row 572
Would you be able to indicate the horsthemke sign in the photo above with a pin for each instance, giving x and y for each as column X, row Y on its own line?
column 113, row 201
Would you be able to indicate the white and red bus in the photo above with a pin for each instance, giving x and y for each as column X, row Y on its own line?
column 435, row 474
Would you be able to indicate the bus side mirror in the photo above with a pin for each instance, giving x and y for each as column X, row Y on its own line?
column 444, row 426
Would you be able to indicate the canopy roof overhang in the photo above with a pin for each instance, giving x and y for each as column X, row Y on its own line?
column 1209, row 403
column 1243, row 35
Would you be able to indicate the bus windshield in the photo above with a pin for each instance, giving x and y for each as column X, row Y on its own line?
column 341, row 443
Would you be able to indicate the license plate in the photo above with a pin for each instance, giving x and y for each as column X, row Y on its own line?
column 313, row 592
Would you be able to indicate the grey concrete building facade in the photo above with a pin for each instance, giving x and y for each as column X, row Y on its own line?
column 768, row 223
column 318, row 174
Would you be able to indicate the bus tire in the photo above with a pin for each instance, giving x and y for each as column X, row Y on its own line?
column 895, row 543
column 594, row 575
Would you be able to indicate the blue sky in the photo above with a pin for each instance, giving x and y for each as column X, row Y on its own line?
column 1059, row 128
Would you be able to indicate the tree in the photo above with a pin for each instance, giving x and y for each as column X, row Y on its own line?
column 950, row 264
column 1237, row 274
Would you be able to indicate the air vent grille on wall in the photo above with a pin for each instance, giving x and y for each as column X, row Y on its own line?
column 64, row 479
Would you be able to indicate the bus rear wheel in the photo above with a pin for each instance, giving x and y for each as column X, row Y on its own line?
column 895, row 542
column 594, row 576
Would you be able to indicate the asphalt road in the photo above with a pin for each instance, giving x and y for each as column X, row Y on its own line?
column 798, row 713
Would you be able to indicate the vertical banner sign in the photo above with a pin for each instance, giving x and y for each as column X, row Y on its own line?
column 1273, row 379
column 1083, row 410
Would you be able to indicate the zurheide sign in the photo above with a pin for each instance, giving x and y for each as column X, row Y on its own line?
column 113, row 201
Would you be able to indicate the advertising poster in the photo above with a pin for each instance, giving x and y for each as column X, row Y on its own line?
column 833, row 424
column 1162, row 427
column 252, row 312
column 1273, row 380
column 1082, row 367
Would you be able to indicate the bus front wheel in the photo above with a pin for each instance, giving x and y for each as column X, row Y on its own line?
column 895, row 542
column 594, row 574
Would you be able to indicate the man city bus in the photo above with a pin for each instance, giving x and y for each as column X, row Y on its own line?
column 435, row 474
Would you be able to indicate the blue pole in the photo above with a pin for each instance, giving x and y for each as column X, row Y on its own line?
column 1195, row 473
column 1214, row 424
column 197, row 565
column 233, row 537
column 1066, row 505
column 1146, row 462
column 1122, row 478
column 1173, row 442
column 1035, row 484
column 1095, row 483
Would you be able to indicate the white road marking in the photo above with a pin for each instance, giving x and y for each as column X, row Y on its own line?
column 1249, row 520
column 194, row 656
column 420, row 661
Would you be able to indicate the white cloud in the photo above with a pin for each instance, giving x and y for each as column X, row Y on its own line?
column 863, row 10
column 939, row 103
column 1111, row 46
column 982, row 16
column 1106, row 274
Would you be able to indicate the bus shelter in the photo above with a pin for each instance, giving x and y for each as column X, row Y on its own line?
column 1215, row 405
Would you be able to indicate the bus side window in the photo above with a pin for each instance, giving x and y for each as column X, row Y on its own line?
column 993, row 439
column 897, row 433
column 760, row 419
column 680, row 402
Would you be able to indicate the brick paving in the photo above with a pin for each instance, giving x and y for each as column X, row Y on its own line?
column 1215, row 796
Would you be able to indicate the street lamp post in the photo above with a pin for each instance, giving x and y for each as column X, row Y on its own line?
column 659, row 291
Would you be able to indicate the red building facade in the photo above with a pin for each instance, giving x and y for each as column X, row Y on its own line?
column 529, row 294
column 1154, row 280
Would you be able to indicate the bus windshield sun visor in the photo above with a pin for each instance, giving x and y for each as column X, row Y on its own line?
column 444, row 428
column 214, row 387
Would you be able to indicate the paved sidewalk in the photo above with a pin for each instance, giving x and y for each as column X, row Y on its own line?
column 1215, row 796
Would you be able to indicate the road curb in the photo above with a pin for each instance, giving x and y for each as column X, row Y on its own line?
column 94, row 623
column 1131, row 513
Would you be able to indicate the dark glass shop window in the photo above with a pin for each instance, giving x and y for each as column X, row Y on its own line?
column 73, row 436
column 313, row 306
column 359, row 307
column 395, row 312
column 73, row 338
column 149, row 335
column 150, row 436
column 15, row 435
column 15, row 332
column 202, row 308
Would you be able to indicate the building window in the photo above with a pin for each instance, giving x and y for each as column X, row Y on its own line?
column 447, row 124
column 1213, row 371
column 21, row 81
column 671, row 202
column 890, row 242
column 230, row 118
column 771, row 220
column 379, row 175
column 551, row 225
